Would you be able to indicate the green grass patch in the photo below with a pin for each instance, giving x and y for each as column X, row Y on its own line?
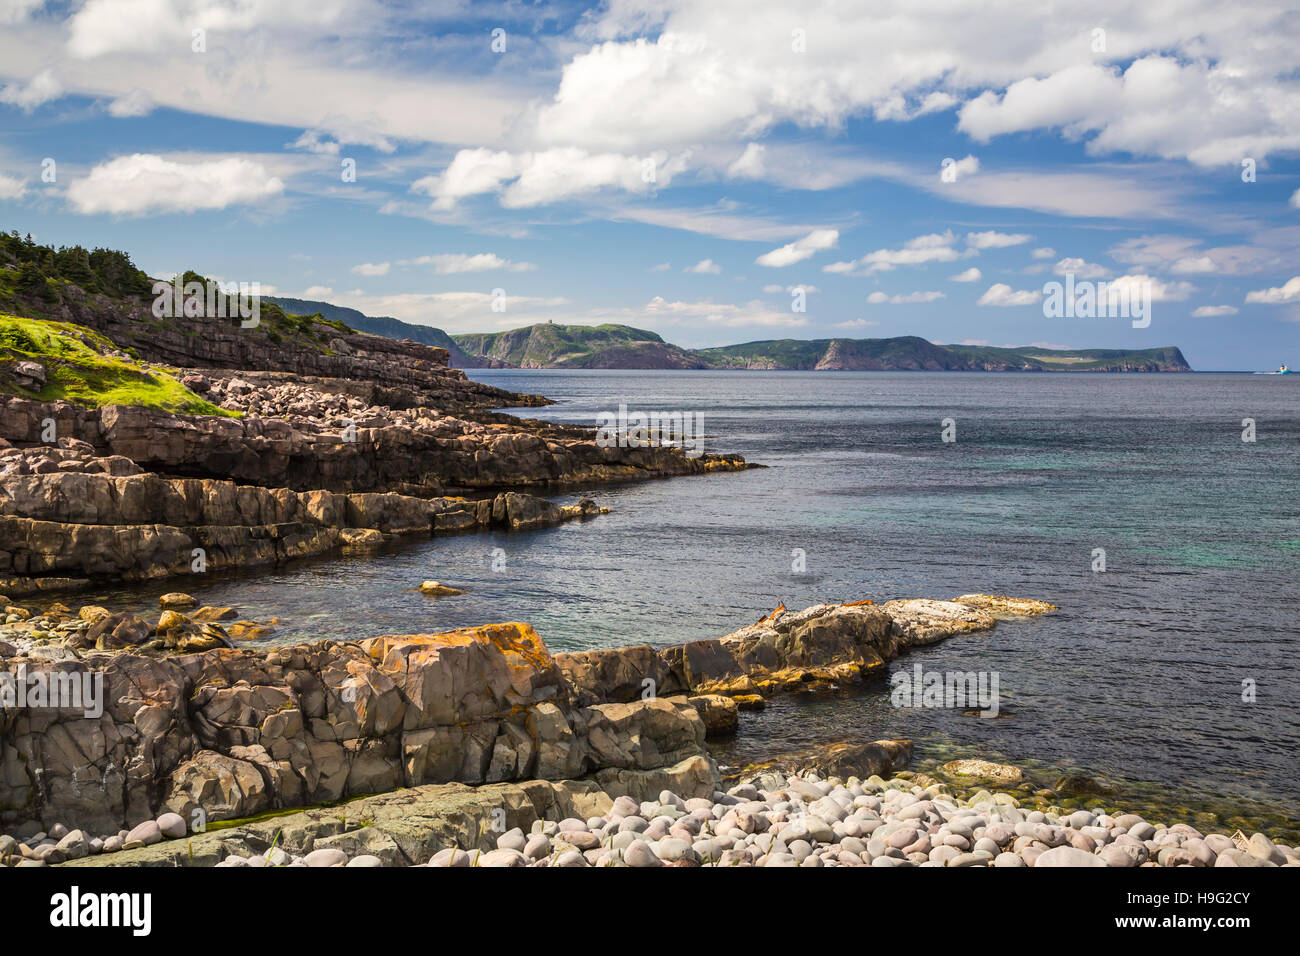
column 78, row 371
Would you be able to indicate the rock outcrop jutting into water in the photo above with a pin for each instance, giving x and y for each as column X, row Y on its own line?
column 234, row 733
column 371, row 438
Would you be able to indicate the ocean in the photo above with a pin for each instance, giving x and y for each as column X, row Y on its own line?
column 1171, row 673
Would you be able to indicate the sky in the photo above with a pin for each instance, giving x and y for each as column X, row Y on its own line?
column 717, row 171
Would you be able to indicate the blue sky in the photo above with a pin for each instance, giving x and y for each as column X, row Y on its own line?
column 682, row 166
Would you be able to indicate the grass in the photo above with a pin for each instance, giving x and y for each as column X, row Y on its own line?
column 78, row 370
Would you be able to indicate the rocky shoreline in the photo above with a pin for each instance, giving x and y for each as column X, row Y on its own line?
column 300, row 465
column 478, row 747
column 228, row 733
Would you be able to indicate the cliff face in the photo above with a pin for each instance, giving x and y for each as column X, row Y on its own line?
column 623, row 347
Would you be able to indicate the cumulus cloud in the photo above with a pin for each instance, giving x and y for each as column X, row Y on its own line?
column 1158, row 106
column 372, row 268
column 135, row 103
column 549, row 176
column 718, row 71
column 777, row 287
column 453, row 262
column 721, row 314
column 11, row 187
column 705, row 267
column 801, row 249
column 146, row 183
column 969, row 275
column 1046, row 252
column 42, row 88
column 951, row 172
column 1193, row 264
column 1211, row 311
column 907, row 298
column 750, row 164
column 1160, row 291
column 995, row 240
column 934, row 247
column 1080, row 269
column 1289, row 292
column 1002, row 294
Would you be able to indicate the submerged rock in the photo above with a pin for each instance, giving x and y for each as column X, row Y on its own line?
column 438, row 589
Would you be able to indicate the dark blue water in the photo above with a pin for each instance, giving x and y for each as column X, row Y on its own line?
column 1139, row 676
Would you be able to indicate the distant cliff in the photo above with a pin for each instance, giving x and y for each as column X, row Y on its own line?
column 547, row 345
column 910, row 353
column 621, row 346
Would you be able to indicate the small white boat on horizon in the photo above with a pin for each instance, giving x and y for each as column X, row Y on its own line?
column 1282, row 370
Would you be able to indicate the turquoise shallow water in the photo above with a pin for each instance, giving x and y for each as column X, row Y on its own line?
column 1139, row 676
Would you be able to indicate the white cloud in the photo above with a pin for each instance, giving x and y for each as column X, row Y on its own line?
column 722, row 220
column 145, row 183
column 1295, row 199
column 1197, row 86
column 135, row 103
column 791, row 289
column 42, row 88
column 15, row 11
column 549, row 176
column 801, row 249
column 1211, row 311
column 995, row 240
column 11, row 187
column 1270, row 251
column 1002, row 294
column 934, row 247
column 720, row 314
column 1046, row 252
column 908, row 298
column 856, row 324
column 1158, row 106
column 705, row 267
column 958, row 169
column 372, row 268
column 1191, row 265
column 969, row 275
column 1160, row 291
column 1081, row 269
column 455, row 262
column 1289, row 292
column 661, row 267
column 750, row 164
column 314, row 141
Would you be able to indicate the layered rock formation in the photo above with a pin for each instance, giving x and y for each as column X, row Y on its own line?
column 130, row 493
column 233, row 733
column 68, row 516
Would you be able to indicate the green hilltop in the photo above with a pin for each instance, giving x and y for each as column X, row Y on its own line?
column 619, row 346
